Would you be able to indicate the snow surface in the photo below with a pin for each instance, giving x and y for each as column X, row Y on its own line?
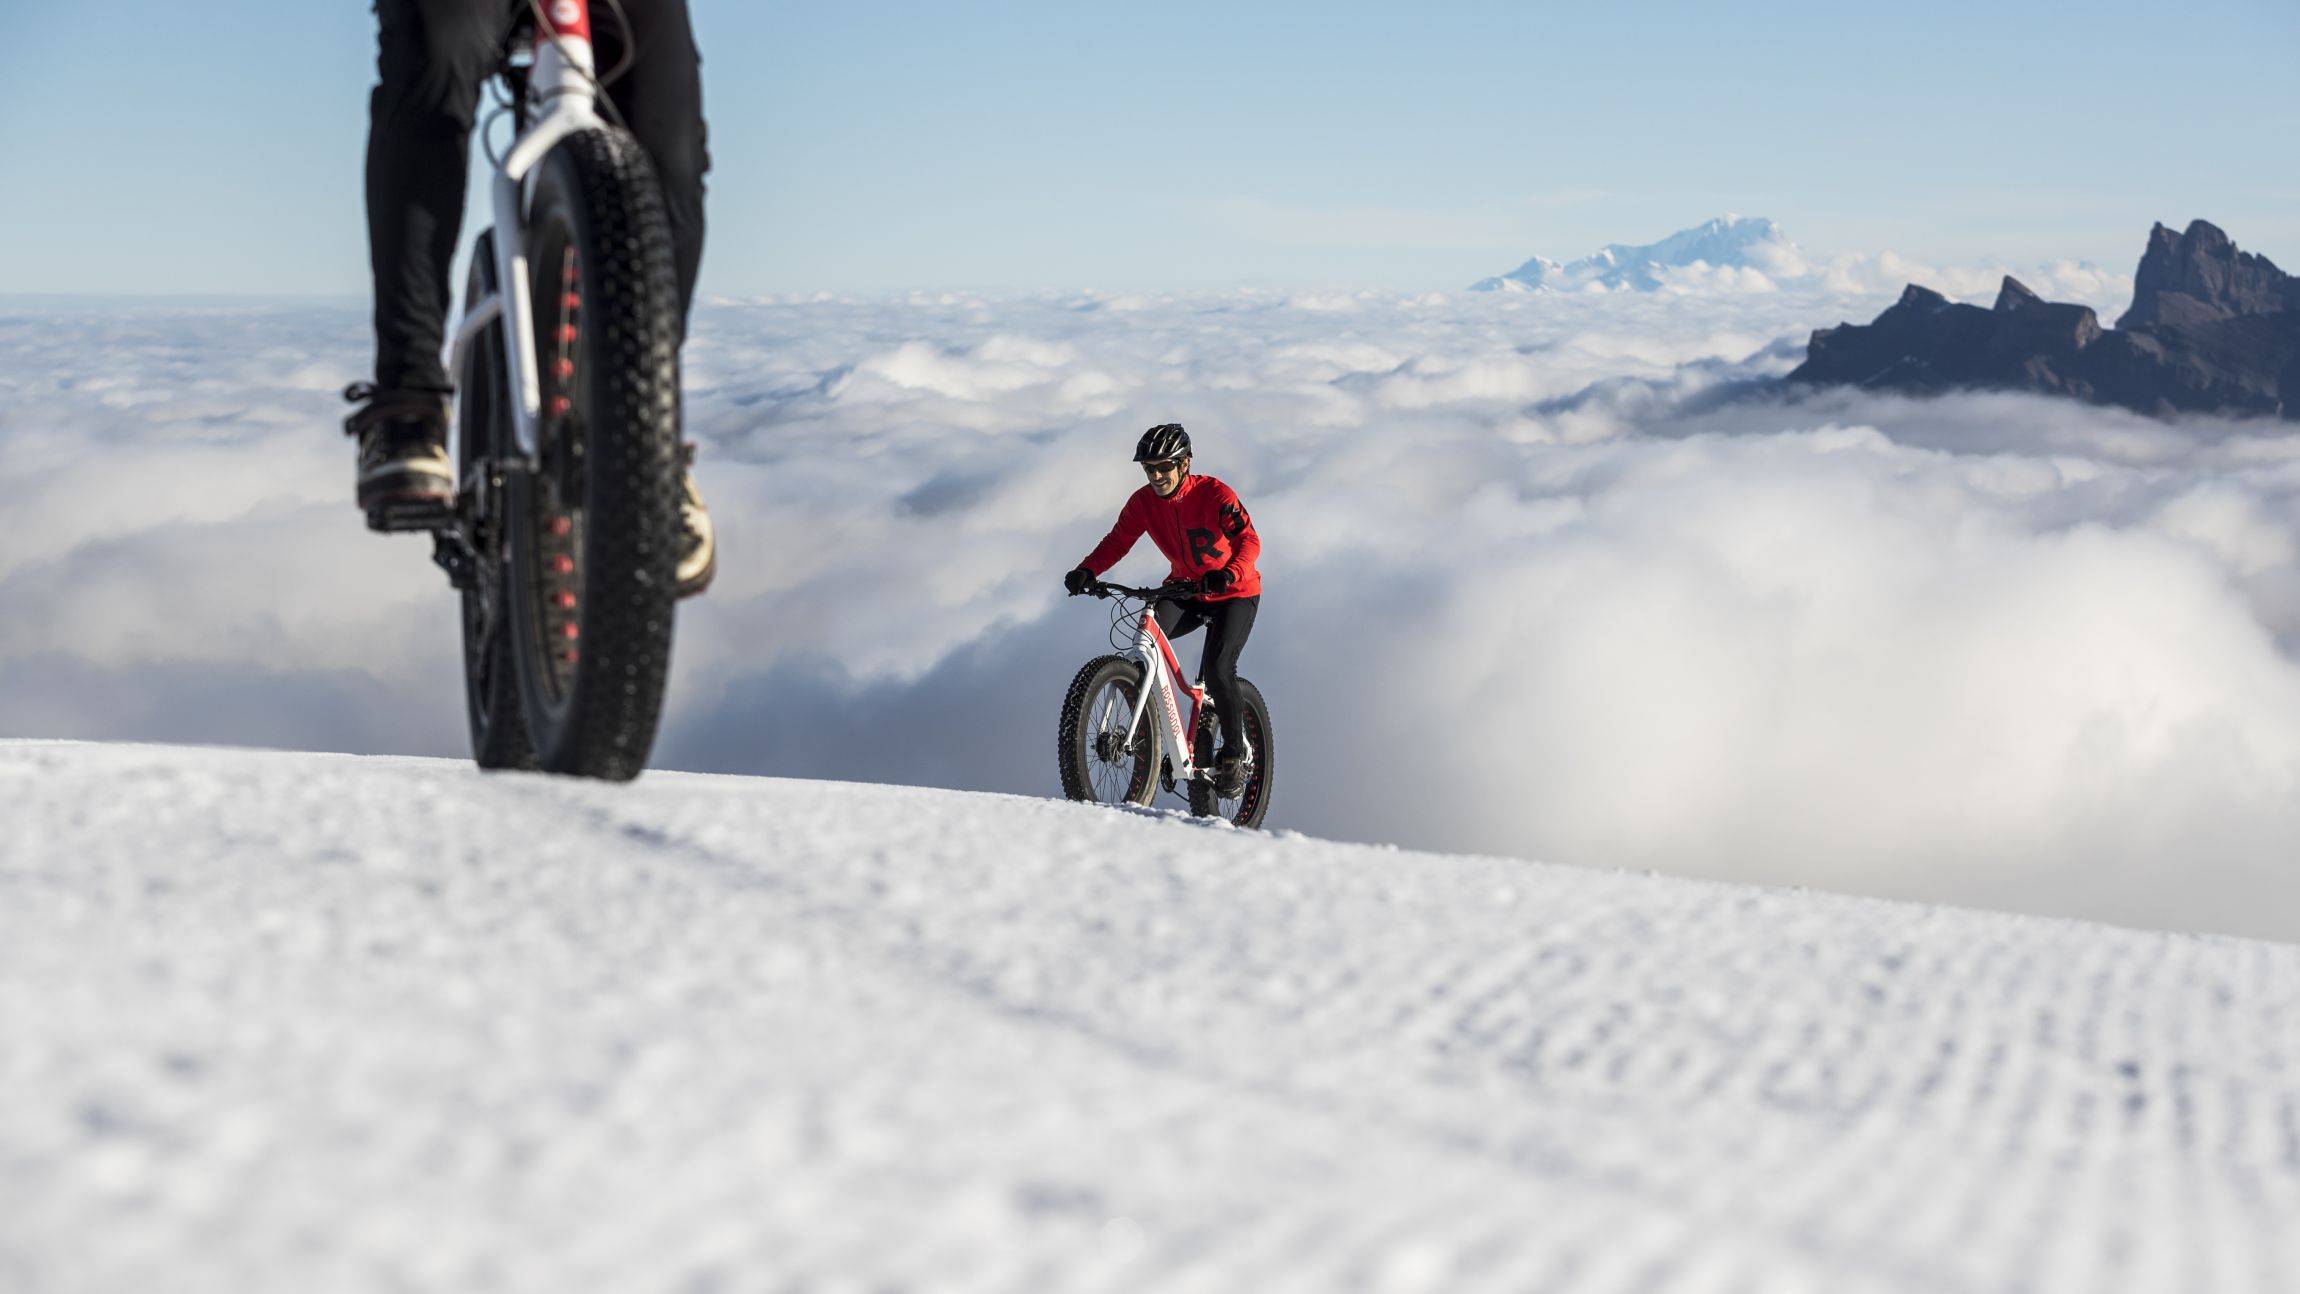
column 333, row 1023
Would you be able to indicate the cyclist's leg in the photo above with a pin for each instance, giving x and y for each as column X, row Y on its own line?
column 661, row 99
column 1178, row 618
column 1227, row 624
column 432, row 56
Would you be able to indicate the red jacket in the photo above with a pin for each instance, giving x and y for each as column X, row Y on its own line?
column 1201, row 527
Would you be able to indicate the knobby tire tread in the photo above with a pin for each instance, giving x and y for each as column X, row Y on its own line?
column 631, row 468
column 1077, row 778
column 1254, row 805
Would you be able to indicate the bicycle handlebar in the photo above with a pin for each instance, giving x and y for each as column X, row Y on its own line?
column 1171, row 590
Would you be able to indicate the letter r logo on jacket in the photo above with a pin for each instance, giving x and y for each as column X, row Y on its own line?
column 1205, row 547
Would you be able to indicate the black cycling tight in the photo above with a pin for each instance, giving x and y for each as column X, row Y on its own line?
column 1227, row 623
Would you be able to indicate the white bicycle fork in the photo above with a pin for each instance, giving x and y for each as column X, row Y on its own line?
column 562, row 82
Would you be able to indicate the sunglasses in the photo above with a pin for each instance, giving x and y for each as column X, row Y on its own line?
column 1160, row 469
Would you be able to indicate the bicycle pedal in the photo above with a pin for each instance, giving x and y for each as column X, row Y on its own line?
column 399, row 516
column 452, row 552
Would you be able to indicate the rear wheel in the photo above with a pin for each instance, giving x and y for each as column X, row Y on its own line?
column 1098, row 762
column 482, row 424
column 594, row 529
column 1248, row 809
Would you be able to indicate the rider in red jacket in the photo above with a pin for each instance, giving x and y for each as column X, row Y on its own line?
column 1198, row 523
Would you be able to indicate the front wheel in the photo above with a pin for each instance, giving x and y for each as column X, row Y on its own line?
column 1254, row 802
column 1098, row 762
column 594, row 529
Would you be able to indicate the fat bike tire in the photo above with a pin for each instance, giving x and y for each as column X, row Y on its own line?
column 1253, row 803
column 492, row 702
column 594, row 529
column 1097, row 763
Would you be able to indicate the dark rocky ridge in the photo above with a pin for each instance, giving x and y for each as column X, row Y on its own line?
column 2211, row 330
column 2200, row 277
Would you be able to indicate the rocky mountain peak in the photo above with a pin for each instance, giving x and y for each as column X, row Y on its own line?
column 2212, row 329
column 2015, row 294
column 2200, row 276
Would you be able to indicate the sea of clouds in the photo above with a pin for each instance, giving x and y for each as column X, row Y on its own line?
column 1784, row 267
column 1561, row 577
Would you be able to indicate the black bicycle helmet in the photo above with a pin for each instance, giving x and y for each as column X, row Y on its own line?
column 1165, row 441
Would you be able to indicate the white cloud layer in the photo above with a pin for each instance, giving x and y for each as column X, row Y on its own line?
column 1886, row 272
column 1562, row 577
column 1736, row 255
column 1786, row 269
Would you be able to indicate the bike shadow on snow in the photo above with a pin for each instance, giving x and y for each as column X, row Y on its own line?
column 1163, row 813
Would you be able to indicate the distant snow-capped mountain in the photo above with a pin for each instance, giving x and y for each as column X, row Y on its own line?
column 1737, row 243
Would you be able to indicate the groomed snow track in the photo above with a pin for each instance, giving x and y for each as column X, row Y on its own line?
column 308, row 1022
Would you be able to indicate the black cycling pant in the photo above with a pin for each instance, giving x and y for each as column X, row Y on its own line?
column 1227, row 623
column 433, row 58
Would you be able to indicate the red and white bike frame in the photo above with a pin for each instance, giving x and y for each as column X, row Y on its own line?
column 1162, row 678
column 561, row 90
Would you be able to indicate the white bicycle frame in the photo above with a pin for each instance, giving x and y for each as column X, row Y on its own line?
column 1162, row 677
column 561, row 86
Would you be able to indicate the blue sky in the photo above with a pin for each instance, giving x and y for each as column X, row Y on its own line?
column 874, row 146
